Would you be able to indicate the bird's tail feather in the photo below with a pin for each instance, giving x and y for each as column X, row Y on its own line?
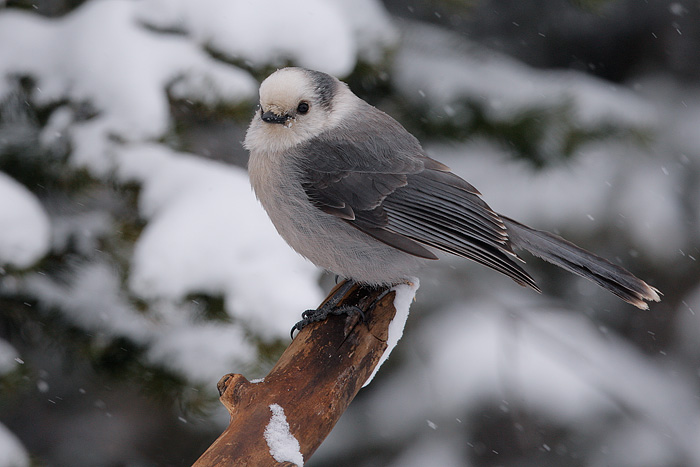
column 566, row 255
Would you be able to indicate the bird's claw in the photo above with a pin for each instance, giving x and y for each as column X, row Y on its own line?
column 321, row 313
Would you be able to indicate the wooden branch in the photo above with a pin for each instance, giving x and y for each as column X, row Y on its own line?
column 313, row 382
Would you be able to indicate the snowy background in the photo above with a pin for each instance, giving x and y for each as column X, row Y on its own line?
column 136, row 267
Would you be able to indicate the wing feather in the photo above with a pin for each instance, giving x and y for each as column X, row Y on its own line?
column 389, row 189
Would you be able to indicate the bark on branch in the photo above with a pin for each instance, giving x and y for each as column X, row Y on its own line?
column 314, row 381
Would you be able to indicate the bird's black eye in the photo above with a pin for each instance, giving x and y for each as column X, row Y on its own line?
column 303, row 107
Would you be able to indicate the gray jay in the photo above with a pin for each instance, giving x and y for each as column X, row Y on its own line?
column 353, row 191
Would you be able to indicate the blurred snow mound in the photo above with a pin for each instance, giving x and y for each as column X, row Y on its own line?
column 91, row 297
column 101, row 57
column 439, row 69
column 8, row 357
column 208, row 234
column 326, row 35
column 12, row 453
column 553, row 364
column 25, row 232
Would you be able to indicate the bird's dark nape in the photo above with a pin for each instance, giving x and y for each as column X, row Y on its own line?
column 572, row 258
column 325, row 87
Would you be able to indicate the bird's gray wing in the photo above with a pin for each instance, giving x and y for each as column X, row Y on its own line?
column 391, row 191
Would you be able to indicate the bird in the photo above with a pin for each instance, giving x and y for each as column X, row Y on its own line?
column 353, row 191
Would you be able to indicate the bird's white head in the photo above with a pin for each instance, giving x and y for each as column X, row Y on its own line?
column 296, row 104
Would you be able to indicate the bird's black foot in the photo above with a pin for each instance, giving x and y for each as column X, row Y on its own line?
column 321, row 313
column 330, row 307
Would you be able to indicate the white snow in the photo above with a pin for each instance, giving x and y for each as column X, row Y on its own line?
column 8, row 357
column 12, row 453
column 91, row 297
column 25, row 232
column 202, row 351
column 101, row 55
column 284, row 447
column 372, row 28
column 405, row 293
column 438, row 69
column 324, row 35
column 208, row 234
column 310, row 32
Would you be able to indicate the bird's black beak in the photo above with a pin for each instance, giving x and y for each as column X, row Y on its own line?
column 271, row 117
